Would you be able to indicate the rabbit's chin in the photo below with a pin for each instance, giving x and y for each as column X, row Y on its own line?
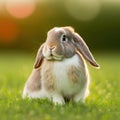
column 54, row 58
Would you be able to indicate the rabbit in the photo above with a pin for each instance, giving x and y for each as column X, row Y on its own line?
column 60, row 71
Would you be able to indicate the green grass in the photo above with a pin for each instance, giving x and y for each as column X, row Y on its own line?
column 102, row 104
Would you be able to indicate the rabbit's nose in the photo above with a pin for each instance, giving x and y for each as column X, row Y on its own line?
column 52, row 47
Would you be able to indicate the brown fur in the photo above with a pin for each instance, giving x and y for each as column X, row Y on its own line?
column 47, row 76
column 74, row 74
column 34, row 81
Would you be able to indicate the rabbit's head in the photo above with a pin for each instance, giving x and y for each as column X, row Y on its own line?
column 61, row 43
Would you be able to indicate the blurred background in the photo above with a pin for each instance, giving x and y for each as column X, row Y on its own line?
column 24, row 23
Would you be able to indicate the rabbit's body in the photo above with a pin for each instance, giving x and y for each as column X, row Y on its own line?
column 70, row 77
column 65, row 78
column 60, row 70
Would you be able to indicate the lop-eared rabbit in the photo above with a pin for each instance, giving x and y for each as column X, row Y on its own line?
column 60, row 71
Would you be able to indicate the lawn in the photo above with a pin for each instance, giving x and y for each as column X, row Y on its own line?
column 102, row 104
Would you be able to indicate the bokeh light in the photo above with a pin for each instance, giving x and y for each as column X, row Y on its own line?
column 1, row 6
column 20, row 8
column 83, row 10
column 8, row 31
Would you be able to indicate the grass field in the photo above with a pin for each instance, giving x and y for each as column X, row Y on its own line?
column 102, row 104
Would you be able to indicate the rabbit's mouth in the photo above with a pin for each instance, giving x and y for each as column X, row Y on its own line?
column 54, row 57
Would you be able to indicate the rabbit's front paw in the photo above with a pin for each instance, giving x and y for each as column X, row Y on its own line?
column 58, row 99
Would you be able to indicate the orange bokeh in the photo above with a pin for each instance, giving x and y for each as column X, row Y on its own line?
column 8, row 31
column 20, row 8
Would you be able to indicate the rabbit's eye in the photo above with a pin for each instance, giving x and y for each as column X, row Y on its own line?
column 64, row 38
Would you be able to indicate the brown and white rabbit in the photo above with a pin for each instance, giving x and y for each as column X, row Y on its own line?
column 60, row 71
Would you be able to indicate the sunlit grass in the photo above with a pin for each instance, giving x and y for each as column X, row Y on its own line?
column 102, row 104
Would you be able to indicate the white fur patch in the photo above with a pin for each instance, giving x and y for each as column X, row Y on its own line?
column 63, row 84
column 58, row 29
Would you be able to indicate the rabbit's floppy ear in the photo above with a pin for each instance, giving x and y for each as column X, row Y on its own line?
column 39, row 57
column 82, row 49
